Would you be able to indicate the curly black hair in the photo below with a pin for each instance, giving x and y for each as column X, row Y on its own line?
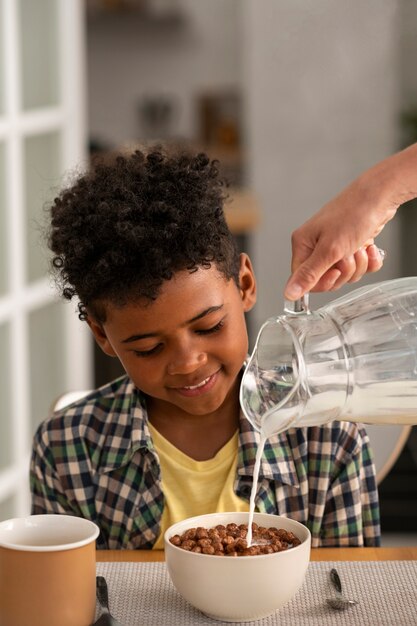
column 128, row 225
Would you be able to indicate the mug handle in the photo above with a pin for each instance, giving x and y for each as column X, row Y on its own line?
column 298, row 307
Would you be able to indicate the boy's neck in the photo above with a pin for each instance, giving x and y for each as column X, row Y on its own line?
column 198, row 436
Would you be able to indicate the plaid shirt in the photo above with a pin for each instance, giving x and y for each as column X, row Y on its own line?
column 96, row 459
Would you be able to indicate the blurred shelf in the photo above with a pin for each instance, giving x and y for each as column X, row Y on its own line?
column 242, row 210
column 136, row 13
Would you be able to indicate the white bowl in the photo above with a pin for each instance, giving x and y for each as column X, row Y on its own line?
column 238, row 589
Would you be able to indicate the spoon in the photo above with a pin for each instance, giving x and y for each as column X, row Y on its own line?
column 339, row 602
column 105, row 618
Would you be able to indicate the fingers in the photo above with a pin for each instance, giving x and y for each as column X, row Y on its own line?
column 347, row 268
column 375, row 258
column 365, row 260
column 306, row 276
column 327, row 281
column 350, row 269
column 362, row 263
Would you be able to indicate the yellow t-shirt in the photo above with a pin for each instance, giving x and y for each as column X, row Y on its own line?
column 195, row 487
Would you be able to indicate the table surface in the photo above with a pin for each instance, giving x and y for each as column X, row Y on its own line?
column 405, row 553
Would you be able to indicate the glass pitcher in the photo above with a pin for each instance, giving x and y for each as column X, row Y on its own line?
column 354, row 359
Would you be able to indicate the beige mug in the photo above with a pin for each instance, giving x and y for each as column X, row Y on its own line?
column 47, row 571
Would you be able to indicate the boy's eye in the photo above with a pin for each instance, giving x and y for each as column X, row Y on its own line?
column 213, row 329
column 144, row 353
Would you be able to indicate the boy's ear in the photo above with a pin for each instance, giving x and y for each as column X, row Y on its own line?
column 247, row 282
column 100, row 336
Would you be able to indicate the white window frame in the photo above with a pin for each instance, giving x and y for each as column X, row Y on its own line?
column 69, row 118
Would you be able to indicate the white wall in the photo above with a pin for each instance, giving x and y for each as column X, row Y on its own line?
column 408, row 60
column 130, row 57
column 322, row 105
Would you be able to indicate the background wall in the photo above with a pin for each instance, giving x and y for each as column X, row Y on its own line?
column 408, row 28
column 408, row 52
column 133, row 56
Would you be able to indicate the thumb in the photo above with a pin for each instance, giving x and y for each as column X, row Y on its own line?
column 306, row 276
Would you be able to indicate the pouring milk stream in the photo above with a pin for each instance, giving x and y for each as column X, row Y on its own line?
column 354, row 359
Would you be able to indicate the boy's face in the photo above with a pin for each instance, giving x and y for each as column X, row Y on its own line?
column 186, row 348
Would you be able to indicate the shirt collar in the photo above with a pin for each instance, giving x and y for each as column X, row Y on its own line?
column 126, row 425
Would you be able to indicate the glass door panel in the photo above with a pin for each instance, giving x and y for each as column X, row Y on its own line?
column 3, row 224
column 42, row 174
column 42, row 353
column 5, row 403
column 47, row 367
column 2, row 55
column 40, row 52
column 8, row 508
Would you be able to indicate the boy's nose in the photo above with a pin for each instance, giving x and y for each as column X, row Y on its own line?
column 186, row 363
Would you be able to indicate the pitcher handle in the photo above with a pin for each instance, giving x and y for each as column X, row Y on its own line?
column 298, row 307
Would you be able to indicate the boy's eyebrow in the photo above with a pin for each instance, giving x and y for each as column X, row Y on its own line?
column 211, row 309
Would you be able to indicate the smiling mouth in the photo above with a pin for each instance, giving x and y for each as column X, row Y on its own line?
column 202, row 387
column 203, row 382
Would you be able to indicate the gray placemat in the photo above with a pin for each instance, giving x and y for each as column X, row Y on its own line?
column 141, row 594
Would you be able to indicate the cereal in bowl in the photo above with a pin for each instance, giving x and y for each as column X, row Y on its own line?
column 230, row 540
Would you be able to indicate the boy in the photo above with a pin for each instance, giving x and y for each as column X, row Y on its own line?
column 144, row 245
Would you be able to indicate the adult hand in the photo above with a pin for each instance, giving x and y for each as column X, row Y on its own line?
column 336, row 245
